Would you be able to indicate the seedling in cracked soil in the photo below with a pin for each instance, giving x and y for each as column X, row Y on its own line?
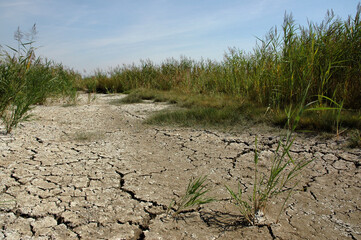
column 284, row 168
column 194, row 196
column 279, row 179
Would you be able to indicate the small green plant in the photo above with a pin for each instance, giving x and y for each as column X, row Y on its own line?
column 194, row 196
column 280, row 177
column 265, row 187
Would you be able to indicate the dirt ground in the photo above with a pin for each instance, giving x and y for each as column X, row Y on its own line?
column 94, row 171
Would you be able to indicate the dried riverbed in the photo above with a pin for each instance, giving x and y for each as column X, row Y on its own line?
column 94, row 171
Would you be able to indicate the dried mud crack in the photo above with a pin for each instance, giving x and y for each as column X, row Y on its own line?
column 94, row 171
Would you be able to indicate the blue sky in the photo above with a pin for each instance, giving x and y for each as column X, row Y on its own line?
column 91, row 34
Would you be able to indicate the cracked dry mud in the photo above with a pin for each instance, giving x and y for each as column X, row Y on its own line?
column 94, row 171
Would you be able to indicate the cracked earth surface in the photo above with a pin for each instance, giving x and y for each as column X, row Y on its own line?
column 94, row 171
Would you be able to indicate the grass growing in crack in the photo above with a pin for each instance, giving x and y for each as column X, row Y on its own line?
column 279, row 179
column 193, row 196
column 267, row 186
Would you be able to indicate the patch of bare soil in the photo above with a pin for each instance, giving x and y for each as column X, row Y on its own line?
column 94, row 171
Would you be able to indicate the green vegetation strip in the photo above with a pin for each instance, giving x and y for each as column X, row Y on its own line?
column 226, row 111
column 326, row 57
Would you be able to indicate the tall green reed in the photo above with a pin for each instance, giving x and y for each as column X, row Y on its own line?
column 274, row 74
column 26, row 80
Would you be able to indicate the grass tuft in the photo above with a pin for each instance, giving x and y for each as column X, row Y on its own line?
column 279, row 179
column 194, row 196
column 26, row 80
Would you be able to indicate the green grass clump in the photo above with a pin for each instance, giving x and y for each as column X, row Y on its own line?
column 138, row 95
column 269, row 185
column 193, row 196
column 26, row 80
column 277, row 180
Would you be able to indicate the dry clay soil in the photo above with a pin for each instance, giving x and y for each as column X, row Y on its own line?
column 95, row 171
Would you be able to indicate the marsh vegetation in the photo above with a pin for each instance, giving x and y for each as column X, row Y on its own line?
column 257, row 85
column 324, row 56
